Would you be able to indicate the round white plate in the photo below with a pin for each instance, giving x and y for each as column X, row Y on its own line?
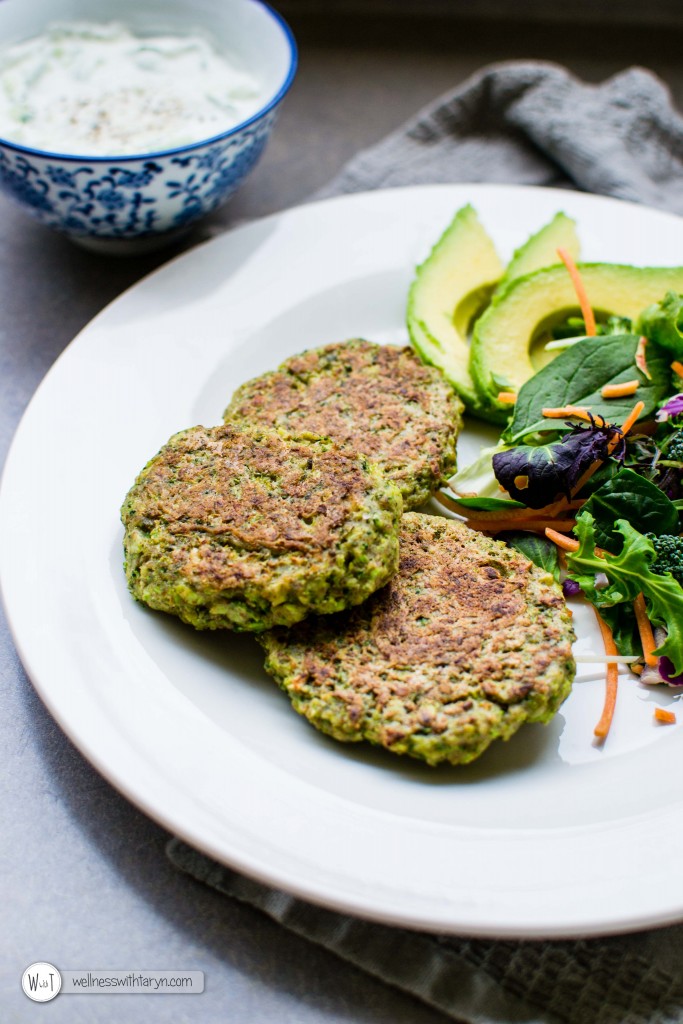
column 548, row 835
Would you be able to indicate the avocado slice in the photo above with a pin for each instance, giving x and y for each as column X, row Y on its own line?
column 541, row 249
column 504, row 334
column 449, row 290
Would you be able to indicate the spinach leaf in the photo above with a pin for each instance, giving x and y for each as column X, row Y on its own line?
column 605, row 472
column 630, row 496
column 538, row 549
column 628, row 575
column 577, row 376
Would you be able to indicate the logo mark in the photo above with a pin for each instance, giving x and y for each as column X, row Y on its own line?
column 41, row 982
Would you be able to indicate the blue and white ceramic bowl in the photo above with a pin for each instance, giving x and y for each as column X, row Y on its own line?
column 135, row 203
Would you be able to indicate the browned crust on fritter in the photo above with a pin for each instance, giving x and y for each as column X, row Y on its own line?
column 378, row 399
column 464, row 644
column 229, row 526
column 259, row 490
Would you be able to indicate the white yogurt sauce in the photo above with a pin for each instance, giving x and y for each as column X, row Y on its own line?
column 98, row 90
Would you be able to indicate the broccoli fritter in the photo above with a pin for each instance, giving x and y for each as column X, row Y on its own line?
column 244, row 529
column 376, row 399
column 466, row 643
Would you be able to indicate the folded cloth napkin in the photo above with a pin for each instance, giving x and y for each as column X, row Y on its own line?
column 528, row 123
column 536, row 124
column 633, row 979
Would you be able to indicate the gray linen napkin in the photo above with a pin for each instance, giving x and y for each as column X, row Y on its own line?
column 536, row 124
column 526, row 123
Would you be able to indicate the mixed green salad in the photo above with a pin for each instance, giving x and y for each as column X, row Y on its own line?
column 584, row 374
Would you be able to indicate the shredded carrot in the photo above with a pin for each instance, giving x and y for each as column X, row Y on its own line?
column 531, row 525
column 629, row 421
column 579, row 288
column 566, row 412
column 621, row 432
column 566, row 543
column 507, row 397
column 510, row 515
column 638, row 669
column 647, row 637
column 612, row 680
column 629, row 387
column 677, row 367
column 586, row 475
column 667, row 717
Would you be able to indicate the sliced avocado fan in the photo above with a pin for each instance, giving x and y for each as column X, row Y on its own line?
column 455, row 284
column 541, row 249
column 504, row 334
column 450, row 288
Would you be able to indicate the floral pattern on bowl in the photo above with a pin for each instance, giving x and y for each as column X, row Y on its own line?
column 132, row 198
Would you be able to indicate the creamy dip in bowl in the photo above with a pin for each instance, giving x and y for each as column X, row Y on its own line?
column 103, row 91
column 125, row 131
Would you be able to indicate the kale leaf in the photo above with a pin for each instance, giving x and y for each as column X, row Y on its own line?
column 629, row 574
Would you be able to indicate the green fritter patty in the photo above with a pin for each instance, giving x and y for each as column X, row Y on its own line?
column 377, row 399
column 246, row 529
column 466, row 643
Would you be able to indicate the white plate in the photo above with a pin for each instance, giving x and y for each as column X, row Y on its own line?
column 545, row 836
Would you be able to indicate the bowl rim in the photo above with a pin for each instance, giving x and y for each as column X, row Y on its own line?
column 290, row 41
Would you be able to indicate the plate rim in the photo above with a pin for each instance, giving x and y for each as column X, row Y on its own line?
column 341, row 903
